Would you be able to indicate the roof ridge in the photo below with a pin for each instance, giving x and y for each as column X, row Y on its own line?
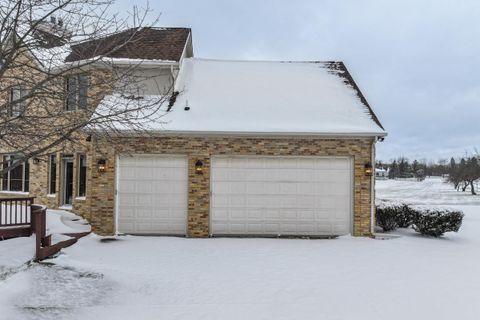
column 268, row 61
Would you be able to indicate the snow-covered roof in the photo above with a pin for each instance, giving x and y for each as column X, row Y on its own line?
column 251, row 97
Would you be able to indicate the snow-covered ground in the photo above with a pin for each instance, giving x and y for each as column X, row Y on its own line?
column 431, row 191
column 412, row 277
column 15, row 253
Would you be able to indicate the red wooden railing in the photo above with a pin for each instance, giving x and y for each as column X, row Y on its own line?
column 19, row 217
column 15, row 211
column 15, row 217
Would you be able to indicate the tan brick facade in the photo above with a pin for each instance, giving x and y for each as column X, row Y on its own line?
column 102, row 185
column 99, row 204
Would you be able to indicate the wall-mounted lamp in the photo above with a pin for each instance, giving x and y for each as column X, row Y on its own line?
column 368, row 169
column 101, row 165
column 36, row 160
column 199, row 167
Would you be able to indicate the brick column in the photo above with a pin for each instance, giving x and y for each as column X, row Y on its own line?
column 198, row 197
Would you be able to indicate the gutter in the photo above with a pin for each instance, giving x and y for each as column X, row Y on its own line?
column 272, row 134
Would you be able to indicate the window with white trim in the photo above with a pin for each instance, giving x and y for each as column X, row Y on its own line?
column 16, row 179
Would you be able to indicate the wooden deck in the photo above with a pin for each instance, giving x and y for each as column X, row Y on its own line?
column 20, row 217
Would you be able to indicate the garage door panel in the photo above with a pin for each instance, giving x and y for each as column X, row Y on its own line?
column 282, row 195
column 152, row 194
column 255, row 215
column 238, row 228
column 306, row 229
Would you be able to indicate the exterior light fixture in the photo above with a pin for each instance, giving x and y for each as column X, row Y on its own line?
column 36, row 160
column 368, row 169
column 199, row 167
column 101, row 165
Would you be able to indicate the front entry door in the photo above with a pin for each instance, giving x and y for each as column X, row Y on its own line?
column 67, row 180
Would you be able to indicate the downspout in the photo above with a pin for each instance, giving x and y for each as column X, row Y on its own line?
column 372, row 189
column 172, row 73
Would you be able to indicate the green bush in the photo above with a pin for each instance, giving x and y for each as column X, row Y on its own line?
column 436, row 222
column 405, row 215
column 386, row 217
column 428, row 222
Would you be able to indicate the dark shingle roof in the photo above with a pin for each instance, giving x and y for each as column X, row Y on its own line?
column 347, row 79
column 143, row 43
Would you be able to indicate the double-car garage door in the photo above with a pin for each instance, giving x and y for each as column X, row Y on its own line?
column 249, row 195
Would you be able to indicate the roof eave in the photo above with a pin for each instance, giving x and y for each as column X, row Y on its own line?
column 109, row 62
column 250, row 133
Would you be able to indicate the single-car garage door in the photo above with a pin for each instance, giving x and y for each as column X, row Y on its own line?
column 281, row 196
column 152, row 194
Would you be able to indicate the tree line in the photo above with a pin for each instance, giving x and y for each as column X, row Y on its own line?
column 463, row 173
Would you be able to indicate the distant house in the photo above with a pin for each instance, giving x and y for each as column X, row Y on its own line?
column 246, row 148
column 381, row 174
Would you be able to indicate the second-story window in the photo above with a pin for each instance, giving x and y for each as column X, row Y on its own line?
column 77, row 91
column 17, row 101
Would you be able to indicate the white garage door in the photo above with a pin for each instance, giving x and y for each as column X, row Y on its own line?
column 281, row 196
column 152, row 194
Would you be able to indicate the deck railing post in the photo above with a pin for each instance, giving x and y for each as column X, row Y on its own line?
column 38, row 218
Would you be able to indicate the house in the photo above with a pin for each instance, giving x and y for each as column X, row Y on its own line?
column 243, row 148
column 381, row 174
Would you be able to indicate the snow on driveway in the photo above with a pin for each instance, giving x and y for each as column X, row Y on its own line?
column 412, row 277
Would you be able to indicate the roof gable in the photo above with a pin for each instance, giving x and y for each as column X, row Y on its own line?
column 165, row 44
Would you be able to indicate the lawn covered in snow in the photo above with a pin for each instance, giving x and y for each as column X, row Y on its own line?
column 412, row 277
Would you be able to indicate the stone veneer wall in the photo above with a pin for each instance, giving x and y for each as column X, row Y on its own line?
column 102, row 186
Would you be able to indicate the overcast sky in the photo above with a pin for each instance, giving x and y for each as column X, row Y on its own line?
column 416, row 61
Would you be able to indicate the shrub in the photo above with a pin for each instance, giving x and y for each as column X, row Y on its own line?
column 386, row 217
column 436, row 222
column 405, row 216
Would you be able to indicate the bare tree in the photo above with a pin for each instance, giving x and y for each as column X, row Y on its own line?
column 38, row 81
column 465, row 174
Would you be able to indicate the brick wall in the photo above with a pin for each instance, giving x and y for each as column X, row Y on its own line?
column 102, row 185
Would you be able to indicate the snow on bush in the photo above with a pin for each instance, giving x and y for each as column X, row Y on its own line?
column 386, row 217
column 436, row 222
column 428, row 222
column 405, row 216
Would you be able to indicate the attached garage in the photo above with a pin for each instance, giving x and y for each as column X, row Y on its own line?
column 263, row 195
column 256, row 160
column 152, row 194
